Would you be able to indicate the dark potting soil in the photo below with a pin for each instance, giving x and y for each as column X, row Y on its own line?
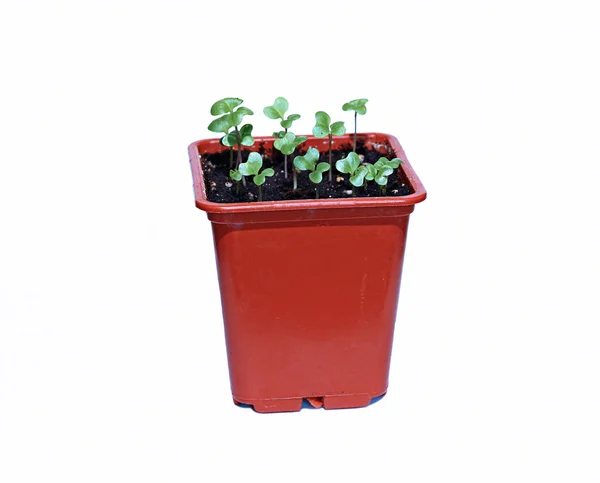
column 220, row 188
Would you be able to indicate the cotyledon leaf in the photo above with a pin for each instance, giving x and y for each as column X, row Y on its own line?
column 225, row 105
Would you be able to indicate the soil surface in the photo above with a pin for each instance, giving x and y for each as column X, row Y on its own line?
column 222, row 189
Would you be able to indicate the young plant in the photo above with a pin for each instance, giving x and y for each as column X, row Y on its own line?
column 351, row 165
column 277, row 111
column 230, row 117
column 380, row 171
column 237, row 176
column 308, row 162
column 323, row 128
column 221, row 125
column 359, row 107
column 287, row 145
column 252, row 168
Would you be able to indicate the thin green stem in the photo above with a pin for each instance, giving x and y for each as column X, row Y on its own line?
column 330, row 161
column 260, row 193
column 353, row 191
column 239, row 148
column 294, row 174
column 239, row 152
column 285, row 170
column 355, row 114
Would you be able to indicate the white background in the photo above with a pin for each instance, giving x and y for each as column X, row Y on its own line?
column 112, row 357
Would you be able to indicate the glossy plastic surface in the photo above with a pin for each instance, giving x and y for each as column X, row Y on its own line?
column 311, row 314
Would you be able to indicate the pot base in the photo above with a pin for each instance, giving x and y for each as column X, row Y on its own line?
column 345, row 401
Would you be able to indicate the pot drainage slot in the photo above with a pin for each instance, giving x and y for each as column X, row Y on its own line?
column 315, row 402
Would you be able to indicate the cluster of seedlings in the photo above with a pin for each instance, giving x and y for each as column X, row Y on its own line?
column 235, row 134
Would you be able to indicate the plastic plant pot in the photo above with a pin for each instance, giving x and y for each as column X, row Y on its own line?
column 333, row 350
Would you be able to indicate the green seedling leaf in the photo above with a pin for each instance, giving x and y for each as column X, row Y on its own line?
column 260, row 178
column 349, row 164
column 320, row 131
column 322, row 167
column 278, row 109
column 271, row 112
column 322, row 118
column 300, row 140
column 220, row 124
column 252, row 166
column 323, row 127
column 394, row 163
column 235, row 118
column 358, row 178
column 235, row 175
column 287, row 123
column 308, row 161
column 302, row 164
column 229, row 140
column 356, row 105
column 225, row 105
column 380, row 162
column 317, row 175
column 371, row 172
column 381, row 180
column 281, row 105
column 338, row 128
column 279, row 134
column 288, row 143
column 246, row 138
column 385, row 171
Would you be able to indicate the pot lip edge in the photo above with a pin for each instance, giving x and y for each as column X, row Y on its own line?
column 419, row 195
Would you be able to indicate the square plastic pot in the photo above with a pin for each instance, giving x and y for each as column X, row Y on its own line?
column 312, row 317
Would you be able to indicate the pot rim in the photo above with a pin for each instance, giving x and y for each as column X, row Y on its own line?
column 419, row 194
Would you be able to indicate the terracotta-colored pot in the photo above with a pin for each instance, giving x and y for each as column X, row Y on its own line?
column 332, row 346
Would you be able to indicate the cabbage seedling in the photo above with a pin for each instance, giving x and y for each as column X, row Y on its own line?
column 308, row 162
column 287, row 145
column 237, row 176
column 323, row 128
column 243, row 137
column 359, row 107
column 221, row 125
column 380, row 171
column 277, row 111
column 351, row 165
column 252, row 168
column 230, row 117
